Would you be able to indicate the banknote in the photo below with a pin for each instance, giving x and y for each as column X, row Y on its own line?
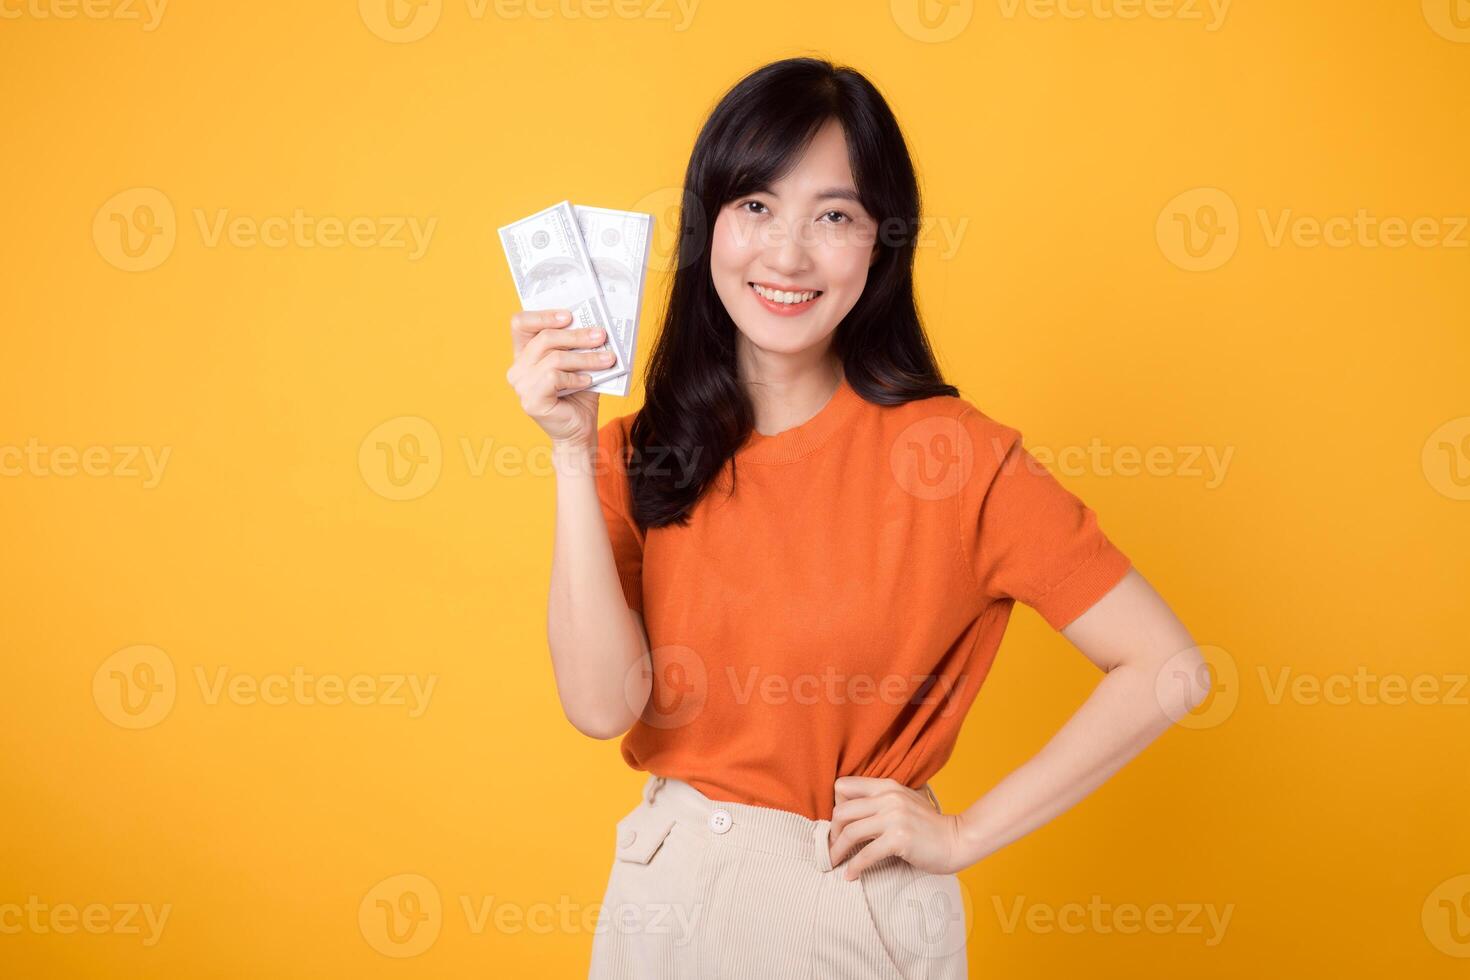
column 618, row 243
column 552, row 270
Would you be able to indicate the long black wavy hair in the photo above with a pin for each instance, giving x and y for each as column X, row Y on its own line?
column 695, row 408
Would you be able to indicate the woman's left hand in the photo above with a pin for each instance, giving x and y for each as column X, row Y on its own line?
column 894, row 820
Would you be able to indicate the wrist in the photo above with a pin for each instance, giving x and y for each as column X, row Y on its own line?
column 975, row 841
column 572, row 457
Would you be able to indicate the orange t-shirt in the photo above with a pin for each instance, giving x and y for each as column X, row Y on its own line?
column 837, row 615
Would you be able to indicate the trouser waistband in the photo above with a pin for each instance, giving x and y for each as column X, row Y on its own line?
column 758, row 828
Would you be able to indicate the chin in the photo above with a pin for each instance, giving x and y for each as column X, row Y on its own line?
column 777, row 341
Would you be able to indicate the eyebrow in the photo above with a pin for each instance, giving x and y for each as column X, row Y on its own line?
column 840, row 193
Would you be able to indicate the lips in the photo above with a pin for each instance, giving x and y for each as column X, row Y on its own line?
column 784, row 309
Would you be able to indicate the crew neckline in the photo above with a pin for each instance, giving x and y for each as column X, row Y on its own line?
column 792, row 444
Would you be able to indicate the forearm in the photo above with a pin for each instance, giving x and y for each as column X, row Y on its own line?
column 1118, row 720
column 595, row 644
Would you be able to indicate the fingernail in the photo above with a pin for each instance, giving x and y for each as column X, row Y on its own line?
column 596, row 333
column 563, row 317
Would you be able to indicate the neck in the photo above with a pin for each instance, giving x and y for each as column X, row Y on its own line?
column 784, row 395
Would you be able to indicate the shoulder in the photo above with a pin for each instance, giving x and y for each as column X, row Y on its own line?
column 974, row 430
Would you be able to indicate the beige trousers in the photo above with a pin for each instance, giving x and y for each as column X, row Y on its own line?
column 703, row 889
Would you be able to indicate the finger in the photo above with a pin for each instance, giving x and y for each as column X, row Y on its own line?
column 561, row 378
column 542, row 391
column 550, row 341
column 570, row 339
column 595, row 360
column 528, row 323
column 854, row 834
column 571, row 380
column 876, row 850
column 848, row 811
column 851, row 787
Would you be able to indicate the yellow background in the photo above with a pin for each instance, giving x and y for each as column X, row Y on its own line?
column 1334, row 833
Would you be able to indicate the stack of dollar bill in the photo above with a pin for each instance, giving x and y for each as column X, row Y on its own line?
column 590, row 261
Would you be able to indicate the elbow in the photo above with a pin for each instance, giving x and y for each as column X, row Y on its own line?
column 600, row 728
column 1204, row 685
column 1194, row 680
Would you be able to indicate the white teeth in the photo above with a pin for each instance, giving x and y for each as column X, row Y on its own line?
column 783, row 296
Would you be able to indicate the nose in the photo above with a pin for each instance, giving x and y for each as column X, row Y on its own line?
column 785, row 253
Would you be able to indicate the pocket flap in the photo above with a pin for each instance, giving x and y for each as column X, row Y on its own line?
column 641, row 832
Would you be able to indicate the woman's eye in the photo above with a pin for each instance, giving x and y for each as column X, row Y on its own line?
column 755, row 203
column 840, row 214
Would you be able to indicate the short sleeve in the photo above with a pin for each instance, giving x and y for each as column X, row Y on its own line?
column 1024, row 535
column 612, row 491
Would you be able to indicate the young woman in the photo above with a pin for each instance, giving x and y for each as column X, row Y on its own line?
column 784, row 579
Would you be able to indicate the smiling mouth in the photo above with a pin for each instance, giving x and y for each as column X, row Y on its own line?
column 785, row 300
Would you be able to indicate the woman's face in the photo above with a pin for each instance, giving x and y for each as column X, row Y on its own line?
column 804, row 234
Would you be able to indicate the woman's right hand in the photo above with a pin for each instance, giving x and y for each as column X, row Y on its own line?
column 547, row 360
